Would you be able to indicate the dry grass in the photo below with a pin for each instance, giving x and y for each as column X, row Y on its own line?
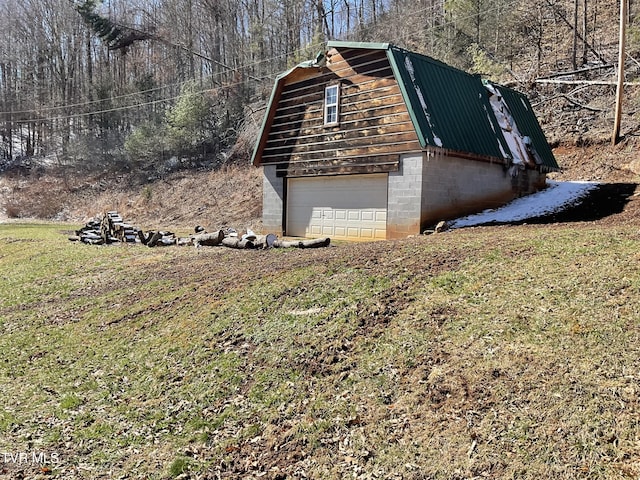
column 230, row 196
column 507, row 352
column 502, row 352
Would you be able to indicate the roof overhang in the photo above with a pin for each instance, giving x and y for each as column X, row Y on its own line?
column 360, row 45
column 280, row 81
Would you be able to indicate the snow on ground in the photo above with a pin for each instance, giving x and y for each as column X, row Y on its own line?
column 554, row 198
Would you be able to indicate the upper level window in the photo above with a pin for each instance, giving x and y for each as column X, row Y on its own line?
column 331, row 98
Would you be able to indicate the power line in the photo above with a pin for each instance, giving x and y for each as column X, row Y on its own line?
column 39, row 111
column 144, row 92
column 122, row 108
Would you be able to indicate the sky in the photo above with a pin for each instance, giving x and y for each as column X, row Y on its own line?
column 557, row 196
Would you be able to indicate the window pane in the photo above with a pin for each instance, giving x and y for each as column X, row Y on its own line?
column 332, row 114
column 332, row 94
column 331, row 104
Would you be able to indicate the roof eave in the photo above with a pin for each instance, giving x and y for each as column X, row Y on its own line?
column 407, row 99
column 256, row 158
column 362, row 45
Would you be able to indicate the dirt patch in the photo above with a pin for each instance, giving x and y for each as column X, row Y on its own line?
column 608, row 201
column 615, row 202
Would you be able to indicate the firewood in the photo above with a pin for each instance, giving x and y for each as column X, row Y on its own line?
column 208, row 239
column 235, row 242
column 93, row 241
column 143, row 239
column 265, row 241
column 184, row 241
column 166, row 241
column 106, row 228
column 315, row 243
column 154, row 239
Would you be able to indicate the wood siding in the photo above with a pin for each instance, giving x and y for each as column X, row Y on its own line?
column 374, row 125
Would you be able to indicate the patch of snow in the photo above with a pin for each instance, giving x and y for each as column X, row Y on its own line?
column 556, row 197
column 515, row 140
column 500, row 147
column 436, row 140
column 409, row 66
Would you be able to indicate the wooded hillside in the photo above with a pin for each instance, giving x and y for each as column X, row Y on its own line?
column 122, row 83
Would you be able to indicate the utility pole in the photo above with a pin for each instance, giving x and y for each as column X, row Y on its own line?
column 621, row 57
column 574, row 61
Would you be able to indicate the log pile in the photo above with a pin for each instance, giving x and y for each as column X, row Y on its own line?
column 229, row 238
column 109, row 228
column 105, row 229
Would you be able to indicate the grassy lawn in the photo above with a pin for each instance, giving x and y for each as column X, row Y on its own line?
column 506, row 352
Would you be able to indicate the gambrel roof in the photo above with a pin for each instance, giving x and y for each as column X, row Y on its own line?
column 450, row 109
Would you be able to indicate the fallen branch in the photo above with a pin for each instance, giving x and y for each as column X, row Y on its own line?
column 580, row 70
column 577, row 104
column 582, row 82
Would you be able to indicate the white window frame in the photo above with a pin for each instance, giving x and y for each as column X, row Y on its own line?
column 331, row 109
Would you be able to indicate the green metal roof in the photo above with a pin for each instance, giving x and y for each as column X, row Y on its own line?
column 449, row 107
column 528, row 125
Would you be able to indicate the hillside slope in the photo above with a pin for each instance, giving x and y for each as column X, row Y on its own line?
column 232, row 196
column 493, row 352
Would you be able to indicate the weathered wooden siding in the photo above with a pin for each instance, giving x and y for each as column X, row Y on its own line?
column 374, row 124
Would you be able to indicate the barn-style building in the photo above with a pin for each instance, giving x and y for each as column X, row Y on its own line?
column 370, row 141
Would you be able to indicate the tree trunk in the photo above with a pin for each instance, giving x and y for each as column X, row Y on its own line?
column 574, row 51
column 265, row 241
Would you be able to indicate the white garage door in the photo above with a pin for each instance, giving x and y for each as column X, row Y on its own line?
column 350, row 207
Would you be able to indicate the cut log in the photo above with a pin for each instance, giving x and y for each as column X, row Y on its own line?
column 315, row 243
column 265, row 241
column 142, row 237
column 154, row 239
column 184, row 241
column 166, row 241
column 106, row 228
column 91, row 236
column 93, row 241
column 235, row 242
column 208, row 239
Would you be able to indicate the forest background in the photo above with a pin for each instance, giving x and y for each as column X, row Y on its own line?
column 154, row 86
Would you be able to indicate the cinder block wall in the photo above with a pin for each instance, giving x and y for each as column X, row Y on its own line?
column 272, row 200
column 404, row 197
column 453, row 187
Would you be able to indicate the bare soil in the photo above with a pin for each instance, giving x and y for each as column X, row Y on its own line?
column 616, row 167
column 436, row 380
column 232, row 196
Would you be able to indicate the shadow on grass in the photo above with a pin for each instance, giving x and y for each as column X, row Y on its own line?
column 605, row 200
